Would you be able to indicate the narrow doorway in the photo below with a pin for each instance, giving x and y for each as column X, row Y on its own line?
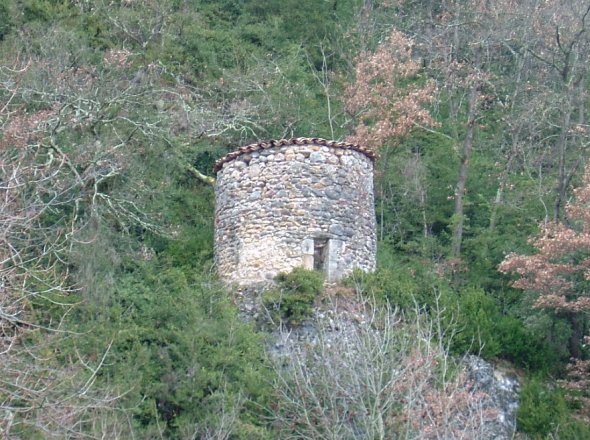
column 320, row 253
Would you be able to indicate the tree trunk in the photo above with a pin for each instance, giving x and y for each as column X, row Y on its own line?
column 500, row 192
column 576, row 336
column 581, row 101
column 562, row 178
column 464, row 168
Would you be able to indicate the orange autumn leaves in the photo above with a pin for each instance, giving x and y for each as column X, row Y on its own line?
column 387, row 97
column 562, row 261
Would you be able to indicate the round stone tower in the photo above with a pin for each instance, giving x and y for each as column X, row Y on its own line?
column 294, row 202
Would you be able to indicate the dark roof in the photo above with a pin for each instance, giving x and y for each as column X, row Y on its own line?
column 293, row 141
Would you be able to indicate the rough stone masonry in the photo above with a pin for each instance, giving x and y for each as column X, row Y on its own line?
column 294, row 202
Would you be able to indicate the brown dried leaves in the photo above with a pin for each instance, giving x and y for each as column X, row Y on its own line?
column 385, row 108
column 557, row 269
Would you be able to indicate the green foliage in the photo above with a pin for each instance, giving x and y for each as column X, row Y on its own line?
column 45, row 11
column 481, row 328
column 302, row 280
column 293, row 299
column 6, row 19
column 37, row 10
column 474, row 317
column 540, row 409
column 401, row 280
column 544, row 411
column 399, row 286
column 179, row 355
column 523, row 347
column 178, row 350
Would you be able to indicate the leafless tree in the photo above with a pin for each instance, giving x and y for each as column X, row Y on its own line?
column 389, row 376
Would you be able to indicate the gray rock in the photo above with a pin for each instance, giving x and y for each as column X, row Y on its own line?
column 333, row 194
column 336, row 229
column 317, row 156
column 503, row 391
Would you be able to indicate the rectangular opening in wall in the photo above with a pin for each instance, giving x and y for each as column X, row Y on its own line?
column 320, row 253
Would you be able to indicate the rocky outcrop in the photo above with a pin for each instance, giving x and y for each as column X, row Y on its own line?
column 502, row 389
column 482, row 401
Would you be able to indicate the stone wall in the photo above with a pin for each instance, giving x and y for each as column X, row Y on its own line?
column 301, row 202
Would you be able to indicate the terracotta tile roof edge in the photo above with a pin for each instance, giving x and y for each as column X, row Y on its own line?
column 293, row 141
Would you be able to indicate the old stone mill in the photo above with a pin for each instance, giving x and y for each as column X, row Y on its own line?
column 301, row 202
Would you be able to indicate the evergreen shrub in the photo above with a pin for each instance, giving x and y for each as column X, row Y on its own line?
column 179, row 352
column 544, row 413
column 523, row 347
column 474, row 317
column 292, row 300
column 475, row 321
column 402, row 287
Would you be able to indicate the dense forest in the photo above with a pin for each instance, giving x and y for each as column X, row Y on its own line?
column 112, row 113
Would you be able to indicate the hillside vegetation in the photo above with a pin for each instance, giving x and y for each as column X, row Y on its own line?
column 112, row 113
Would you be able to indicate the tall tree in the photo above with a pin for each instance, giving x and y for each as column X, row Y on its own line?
column 560, row 270
column 553, row 36
column 388, row 100
column 384, row 104
column 40, row 196
column 454, row 44
column 460, row 54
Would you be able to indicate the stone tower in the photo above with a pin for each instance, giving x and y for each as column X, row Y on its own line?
column 294, row 202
